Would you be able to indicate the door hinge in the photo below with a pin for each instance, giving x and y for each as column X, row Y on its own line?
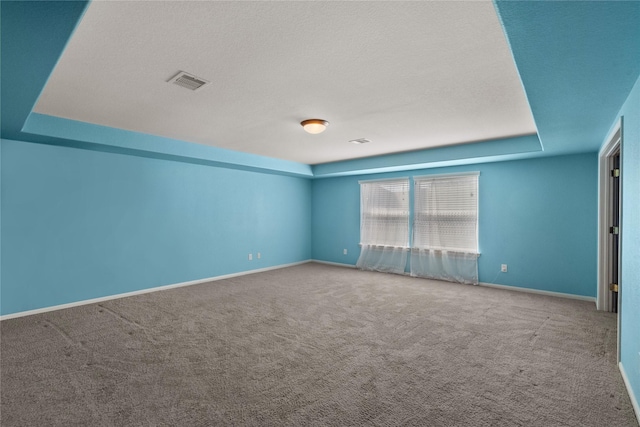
column 613, row 287
column 615, row 173
column 614, row 230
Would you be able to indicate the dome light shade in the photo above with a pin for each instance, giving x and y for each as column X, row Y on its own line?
column 314, row 125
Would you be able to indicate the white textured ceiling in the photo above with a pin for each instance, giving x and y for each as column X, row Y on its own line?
column 406, row 75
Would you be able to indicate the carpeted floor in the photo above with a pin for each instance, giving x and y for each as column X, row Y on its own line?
column 316, row 345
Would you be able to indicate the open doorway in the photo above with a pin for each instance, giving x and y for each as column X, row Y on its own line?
column 609, row 225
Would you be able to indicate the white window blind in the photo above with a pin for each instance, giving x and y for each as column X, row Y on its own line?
column 384, row 210
column 446, row 213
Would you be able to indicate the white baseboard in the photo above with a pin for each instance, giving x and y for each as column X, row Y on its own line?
column 145, row 291
column 540, row 292
column 632, row 396
column 337, row 264
column 490, row 285
column 244, row 273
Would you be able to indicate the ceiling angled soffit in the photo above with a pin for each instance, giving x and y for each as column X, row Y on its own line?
column 578, row 61
column 33, row 35
column 407, row 76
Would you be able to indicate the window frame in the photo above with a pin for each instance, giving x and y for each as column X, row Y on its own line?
column 415, row 228
column 402, row 214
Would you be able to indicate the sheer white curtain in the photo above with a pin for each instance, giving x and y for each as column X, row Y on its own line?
column 384, row 225
column 445, row 228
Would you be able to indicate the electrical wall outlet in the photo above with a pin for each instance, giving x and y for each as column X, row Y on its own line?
column 259, row 255
column 503, row 268
column 250, row 257
column 344, row 252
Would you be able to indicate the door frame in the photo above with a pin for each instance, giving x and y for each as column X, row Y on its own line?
column 612, row 146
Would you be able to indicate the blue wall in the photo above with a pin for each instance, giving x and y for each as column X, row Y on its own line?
column 538, row 216
column 630, row 292
column 81, row 224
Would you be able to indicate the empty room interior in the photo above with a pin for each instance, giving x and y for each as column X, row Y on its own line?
column 320, row 213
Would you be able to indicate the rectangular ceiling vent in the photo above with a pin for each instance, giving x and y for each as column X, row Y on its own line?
column 360, row 141
column 188, row 81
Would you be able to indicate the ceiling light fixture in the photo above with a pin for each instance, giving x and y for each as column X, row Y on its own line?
column 314, row 125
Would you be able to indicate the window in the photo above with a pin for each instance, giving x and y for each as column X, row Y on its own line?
column 446, row 213
column 445, row 228
column 384, row 210
column 384, row 225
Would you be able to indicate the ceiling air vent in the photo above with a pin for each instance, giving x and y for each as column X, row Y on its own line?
column 188, row 81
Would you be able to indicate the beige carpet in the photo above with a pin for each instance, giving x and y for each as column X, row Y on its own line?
column 316, row 345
